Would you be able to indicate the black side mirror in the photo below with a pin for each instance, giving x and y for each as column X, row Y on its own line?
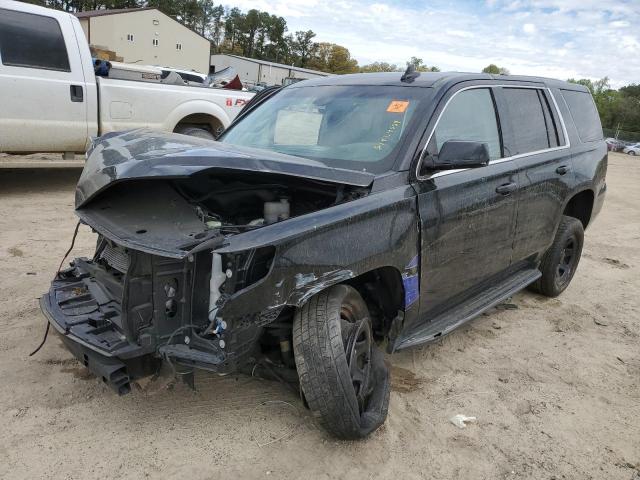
column 459, row 154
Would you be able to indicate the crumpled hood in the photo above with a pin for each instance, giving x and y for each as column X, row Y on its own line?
column 137, row 154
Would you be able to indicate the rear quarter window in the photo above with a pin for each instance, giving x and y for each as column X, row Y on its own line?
column 32, row 41
column 531, row 121
column 585, row 115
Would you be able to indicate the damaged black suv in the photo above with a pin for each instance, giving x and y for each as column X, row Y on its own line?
column 335, row 219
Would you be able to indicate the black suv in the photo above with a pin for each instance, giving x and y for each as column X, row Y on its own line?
column 335, row 218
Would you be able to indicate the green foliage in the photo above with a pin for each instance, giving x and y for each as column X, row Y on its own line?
column 303, row 46
column 618, row 109
column 379, row 67
column 495, row 70
column 329, row 57
column 419, row 65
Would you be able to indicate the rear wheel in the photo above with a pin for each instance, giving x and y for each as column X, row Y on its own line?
column 342, row 373
column 196, row 132
column 560, row 261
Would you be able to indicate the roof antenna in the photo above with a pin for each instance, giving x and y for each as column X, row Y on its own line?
column 409, row 74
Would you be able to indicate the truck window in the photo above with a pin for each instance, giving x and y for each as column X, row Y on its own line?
column 585, row 115
column 32, row 41
column 531, row 121
column 471, row 116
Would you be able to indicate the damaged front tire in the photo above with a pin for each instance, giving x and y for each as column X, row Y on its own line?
column 342, row 372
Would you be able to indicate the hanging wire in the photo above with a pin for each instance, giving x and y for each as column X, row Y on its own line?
column 73, row 242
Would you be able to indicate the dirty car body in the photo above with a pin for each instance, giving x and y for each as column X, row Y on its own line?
column 210, row 253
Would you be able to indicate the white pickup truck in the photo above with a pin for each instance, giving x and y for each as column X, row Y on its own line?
column 51, row 101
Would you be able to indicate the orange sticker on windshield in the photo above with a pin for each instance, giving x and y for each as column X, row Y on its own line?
column 397, row 106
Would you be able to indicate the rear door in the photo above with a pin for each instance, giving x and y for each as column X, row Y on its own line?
column 467, row 216
column 535, row 138
column 42, row 88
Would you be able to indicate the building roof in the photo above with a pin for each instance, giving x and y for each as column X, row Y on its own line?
column 113, row 11
column 273, row 64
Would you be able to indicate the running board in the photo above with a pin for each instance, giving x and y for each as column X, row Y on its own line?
column 448, row 321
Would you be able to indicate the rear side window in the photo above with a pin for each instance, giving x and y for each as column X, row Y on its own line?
column 584, row 114
column 532, row 121
column 32, row 41
column 470, row 116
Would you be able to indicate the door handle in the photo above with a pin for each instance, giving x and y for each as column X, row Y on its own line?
column 77, row 93
column 562, row 169
column 507, row 188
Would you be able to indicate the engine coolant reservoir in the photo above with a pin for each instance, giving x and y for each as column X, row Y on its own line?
column 276, row 211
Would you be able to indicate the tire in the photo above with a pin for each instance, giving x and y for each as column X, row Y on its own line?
column 196, row 132
column 328, row 336
column 560, row 261
column 632, row 153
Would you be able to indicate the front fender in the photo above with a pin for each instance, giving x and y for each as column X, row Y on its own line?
column 321, row 249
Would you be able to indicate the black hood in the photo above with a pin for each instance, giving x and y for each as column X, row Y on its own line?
column 140, row 154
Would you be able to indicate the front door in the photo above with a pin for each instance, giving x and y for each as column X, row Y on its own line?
column 42, row 89
column 467, row 216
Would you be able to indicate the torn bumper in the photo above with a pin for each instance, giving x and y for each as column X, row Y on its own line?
column 77, row 308
column 122, row 322
column 111, row 370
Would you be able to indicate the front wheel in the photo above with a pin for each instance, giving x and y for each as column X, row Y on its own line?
column 632, row 153
column 342, row 373
column 560, row 261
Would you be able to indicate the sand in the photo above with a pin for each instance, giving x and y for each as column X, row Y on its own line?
column 554, row 383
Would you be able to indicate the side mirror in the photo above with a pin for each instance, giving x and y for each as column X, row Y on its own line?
column 459, row 154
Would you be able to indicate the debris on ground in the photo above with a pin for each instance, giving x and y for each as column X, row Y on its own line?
column 461, row 421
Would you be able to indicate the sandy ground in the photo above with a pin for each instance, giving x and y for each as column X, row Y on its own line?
column 554, row 383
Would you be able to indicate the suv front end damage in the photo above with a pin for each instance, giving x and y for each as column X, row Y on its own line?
column 204, row 267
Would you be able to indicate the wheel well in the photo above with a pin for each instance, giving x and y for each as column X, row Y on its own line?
column 203, row 120
column 383, row 291
column 580, row 207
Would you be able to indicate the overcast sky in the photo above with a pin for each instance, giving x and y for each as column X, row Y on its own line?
column 554, row 38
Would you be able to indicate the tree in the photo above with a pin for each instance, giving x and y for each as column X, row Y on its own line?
column 419, row 65
column 232, row 22
column 332, row 58
column 277, row 50
column 379, row 67
column 493, row 69
column 216, row 26
column 303, row 46
column 249, row 27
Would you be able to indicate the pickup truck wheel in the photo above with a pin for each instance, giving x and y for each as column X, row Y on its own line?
column 560, row 261
column 342, row 373
column 196, row 132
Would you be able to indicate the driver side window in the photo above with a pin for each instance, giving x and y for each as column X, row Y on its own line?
column 469, row 116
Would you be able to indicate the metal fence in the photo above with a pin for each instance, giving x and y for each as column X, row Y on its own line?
column 624, row 136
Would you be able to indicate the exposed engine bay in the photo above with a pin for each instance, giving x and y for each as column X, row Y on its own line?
column 201, row 211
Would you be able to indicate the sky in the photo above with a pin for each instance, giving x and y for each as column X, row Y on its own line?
column 552, row 38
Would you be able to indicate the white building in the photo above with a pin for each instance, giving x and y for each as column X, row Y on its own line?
column 146, row 36
column 252, row 71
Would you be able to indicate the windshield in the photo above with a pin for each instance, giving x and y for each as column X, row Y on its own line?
column 352, row 127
